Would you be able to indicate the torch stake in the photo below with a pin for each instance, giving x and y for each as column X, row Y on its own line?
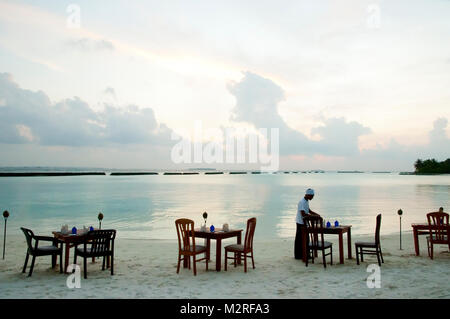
column 4, row 239
column 400, row 232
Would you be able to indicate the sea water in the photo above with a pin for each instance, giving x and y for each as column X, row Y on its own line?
column 147, row 206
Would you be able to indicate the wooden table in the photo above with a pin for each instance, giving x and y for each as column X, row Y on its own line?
column 422, row 229
column 70, row 241
column 340, row 231
column 218, row 235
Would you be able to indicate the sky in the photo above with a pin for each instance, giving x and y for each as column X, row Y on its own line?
column 349, row 84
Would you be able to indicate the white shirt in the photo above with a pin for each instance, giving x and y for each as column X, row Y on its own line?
column 303, row 204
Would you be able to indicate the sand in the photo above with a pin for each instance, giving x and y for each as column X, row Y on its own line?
column 147, row 269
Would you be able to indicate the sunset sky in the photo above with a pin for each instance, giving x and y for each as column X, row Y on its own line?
column 350, row 84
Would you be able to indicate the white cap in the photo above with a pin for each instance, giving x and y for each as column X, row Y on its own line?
column 309, row 191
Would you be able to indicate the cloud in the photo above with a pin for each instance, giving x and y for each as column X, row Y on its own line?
column 29, row 121
column 257, row 100
column 30, row 117
column 89, row 44
column 437, row 134
column 110, row 91
column 396, row 155
column 340, row 137
column 133, row 125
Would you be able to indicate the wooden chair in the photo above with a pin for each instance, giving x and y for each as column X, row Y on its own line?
column 314, row 227
column 97, row 243
column 371, row 248
column 36, row 251
column 245, row 250
column 439, row 235
column 185, row 230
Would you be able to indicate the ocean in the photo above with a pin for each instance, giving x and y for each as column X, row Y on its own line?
column 147, row 206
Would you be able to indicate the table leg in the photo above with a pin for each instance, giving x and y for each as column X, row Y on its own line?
column 349, row 243
column 341, row 249
column 416, row 241
column 316, row 238
column 239, row 242
column 66, row 257
column 208, row 249
column 218, row 253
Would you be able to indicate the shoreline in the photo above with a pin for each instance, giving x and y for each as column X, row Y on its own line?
column 170, row 173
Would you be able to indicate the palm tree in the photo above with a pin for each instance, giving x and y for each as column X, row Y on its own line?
column 418, row 165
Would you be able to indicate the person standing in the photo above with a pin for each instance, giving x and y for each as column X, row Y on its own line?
column 302, row 211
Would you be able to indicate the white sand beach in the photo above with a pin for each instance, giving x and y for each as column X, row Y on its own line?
column 147, row 269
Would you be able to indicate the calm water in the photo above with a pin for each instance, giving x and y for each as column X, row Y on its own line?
column 147, row 206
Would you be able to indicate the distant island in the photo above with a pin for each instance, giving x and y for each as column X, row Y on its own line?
column 350, row 172
column 431, row 166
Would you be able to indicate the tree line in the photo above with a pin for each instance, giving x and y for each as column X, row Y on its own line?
column 431, row 166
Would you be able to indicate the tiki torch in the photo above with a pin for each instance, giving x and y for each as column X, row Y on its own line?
column 400, row 213
column 5, row 216
column 100, row 217
column 205, row 216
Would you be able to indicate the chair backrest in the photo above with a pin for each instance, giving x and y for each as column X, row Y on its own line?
column 250, row 232
column 314, row 225
column 440, row 222
column 185, row 230
column 100, row 241
column 377, row 229
column 29, row 235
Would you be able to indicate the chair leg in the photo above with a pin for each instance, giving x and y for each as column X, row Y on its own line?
column 253, row 261
column 179, row 262
column 226, row 259
column 357, row 255
column 53, row 261
column 206, row 258
column 431, row 250
column 195, row 267
column 25, row 264
column 381, row 254
column 378, row 257
column 112, row 263
column 245, row 262
column 307, row 257
column 362, row 253
column 323, row 259
column 331, row 254
column 61, row 262
column 75, row 257
column 104, row 262
column 85, row 266
column 32, row 266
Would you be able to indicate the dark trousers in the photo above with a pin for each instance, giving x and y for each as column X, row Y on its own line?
column 298, row 246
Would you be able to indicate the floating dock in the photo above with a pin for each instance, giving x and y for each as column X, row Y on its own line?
column 31, row 174
column 132, row 173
